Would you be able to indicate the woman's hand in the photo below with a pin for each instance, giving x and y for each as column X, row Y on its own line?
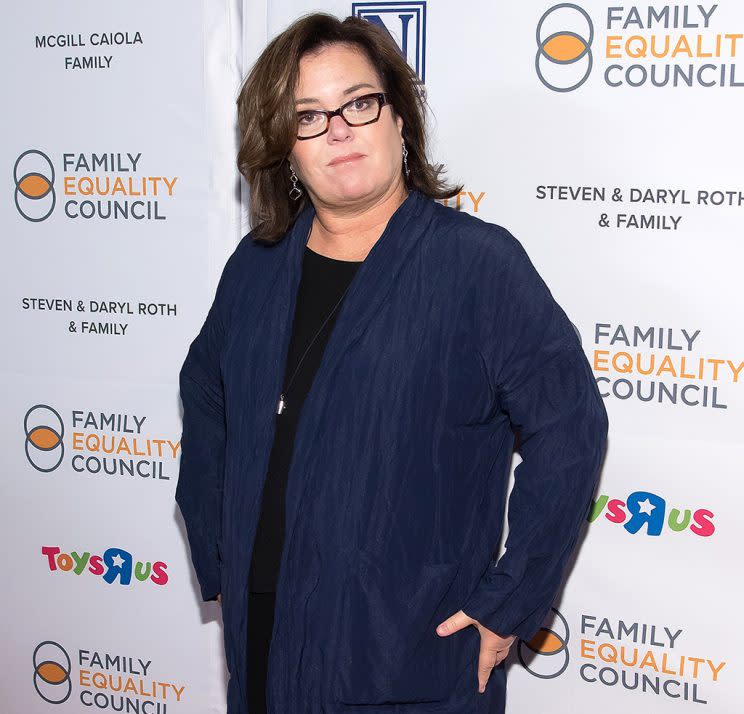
column 219, row 598
column 493, row 647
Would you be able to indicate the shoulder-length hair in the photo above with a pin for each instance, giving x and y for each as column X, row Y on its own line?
column 267, row 117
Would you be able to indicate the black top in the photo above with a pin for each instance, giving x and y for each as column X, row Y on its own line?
column 323, row 282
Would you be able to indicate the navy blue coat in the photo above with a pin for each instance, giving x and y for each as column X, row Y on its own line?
column 397, row 486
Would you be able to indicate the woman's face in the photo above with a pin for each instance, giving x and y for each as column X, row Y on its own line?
column 327, row 79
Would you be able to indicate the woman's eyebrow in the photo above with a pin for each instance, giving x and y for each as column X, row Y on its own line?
column 350, row 90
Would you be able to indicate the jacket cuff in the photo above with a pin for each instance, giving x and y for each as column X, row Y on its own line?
column 492, row 608
column 207, row 568
column 210, row 589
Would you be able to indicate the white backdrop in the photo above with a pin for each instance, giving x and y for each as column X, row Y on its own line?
column 85, row 372
column 627, row 196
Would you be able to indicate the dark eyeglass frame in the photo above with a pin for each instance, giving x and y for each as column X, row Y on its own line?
column 382, row 100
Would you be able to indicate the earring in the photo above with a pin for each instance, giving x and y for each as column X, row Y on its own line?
column 294, row 192
column 405, row 160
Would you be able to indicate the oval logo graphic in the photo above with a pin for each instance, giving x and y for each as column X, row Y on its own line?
column 33, row 174
column 564, row 56
column 52, row 672
column 546, row 654
column 44, row 431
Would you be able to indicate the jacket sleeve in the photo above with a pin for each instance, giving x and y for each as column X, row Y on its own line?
column 200, row 477
column 543, row 381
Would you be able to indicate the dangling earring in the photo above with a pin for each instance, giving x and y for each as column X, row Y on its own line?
column 405, row 160
column 294, row 192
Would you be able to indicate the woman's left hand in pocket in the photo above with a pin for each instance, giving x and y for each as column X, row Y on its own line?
column 493, row 648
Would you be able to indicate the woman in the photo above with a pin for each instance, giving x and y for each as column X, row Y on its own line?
column 350, row 401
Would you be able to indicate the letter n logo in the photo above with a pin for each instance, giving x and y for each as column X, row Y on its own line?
column 405, row 22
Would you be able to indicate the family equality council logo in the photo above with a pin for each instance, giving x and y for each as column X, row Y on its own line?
column 564, row 56
column 105, row 443
column 644, row 657
column 103, row 681
column 102, row 186
column 668, row 46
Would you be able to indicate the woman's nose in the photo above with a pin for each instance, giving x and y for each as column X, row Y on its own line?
column 338, row 128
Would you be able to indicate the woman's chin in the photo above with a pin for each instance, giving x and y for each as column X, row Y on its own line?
column 355, row 191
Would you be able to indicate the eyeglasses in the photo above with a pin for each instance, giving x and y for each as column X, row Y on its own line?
column 356, row 112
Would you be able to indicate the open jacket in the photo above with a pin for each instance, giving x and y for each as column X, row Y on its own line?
column 447, row 338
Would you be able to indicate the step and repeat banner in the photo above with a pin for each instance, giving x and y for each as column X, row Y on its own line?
column 606, row 138
column 119, row 211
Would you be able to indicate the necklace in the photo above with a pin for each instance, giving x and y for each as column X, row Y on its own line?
column 282, row 400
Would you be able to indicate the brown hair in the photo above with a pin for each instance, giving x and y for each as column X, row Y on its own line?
column 267, row 118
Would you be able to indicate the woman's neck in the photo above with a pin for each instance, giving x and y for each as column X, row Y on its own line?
column 349, row 234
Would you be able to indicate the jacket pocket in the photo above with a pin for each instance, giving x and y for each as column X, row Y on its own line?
column 389, row 651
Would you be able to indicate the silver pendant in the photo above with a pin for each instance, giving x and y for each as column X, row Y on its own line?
column 280, row 406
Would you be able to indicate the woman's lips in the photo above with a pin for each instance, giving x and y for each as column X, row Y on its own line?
column 345, row 159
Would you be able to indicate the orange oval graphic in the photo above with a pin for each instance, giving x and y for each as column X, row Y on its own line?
column 545, row 642
column 43, row 437
column 52, row 672
column 564, row 48
column 33, row 186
